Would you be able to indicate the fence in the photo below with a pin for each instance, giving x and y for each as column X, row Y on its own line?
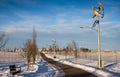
column 113, row 56
column 9, row 57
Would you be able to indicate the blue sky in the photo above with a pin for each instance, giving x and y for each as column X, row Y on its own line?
column 60, row 19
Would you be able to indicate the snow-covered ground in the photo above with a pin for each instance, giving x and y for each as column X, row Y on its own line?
column 111, row 68
column 40, row 69
column 43, row 69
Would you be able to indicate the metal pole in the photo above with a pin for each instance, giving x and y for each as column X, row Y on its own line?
column 99, row 46
column 54, row 45
column 116, row 56
column 54, row 48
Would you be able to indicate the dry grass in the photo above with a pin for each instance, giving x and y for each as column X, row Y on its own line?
column 10, row 57
column 106, row 56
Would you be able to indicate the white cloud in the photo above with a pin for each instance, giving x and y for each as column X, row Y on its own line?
column 110, row 29
column 62, row 23
column 16, row 30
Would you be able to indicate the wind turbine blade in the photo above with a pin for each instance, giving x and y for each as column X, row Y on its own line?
column 101, row 5
column 95, row 11
column 94, row 24
column 93, row 8
column 94, row 16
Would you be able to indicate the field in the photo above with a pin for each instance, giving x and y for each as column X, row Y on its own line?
column 111, row 57
column 87, row 59
column 7, row 58
column 105, row 56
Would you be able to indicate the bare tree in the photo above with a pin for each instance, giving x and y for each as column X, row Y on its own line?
column 31, row 50
column 66, row 51
column 34, row 52
column 72, row 48
column 50, row 48
column 35, row 49
column 28, row 52
column 3, row 39
column 75, row 48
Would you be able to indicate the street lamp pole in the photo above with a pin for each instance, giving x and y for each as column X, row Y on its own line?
column 54, row 46
column 97, row 14
column 99, row 46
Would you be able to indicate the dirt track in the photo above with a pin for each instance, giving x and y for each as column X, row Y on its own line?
column 69, row 70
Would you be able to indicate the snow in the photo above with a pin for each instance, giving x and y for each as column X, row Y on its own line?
column 40, row 69
column 43, row 69
column 111, row 69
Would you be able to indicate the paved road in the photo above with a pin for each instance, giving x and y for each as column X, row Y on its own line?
column 69, row 70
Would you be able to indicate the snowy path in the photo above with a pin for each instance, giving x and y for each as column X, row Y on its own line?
column 69, row 70
column 111, row 69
